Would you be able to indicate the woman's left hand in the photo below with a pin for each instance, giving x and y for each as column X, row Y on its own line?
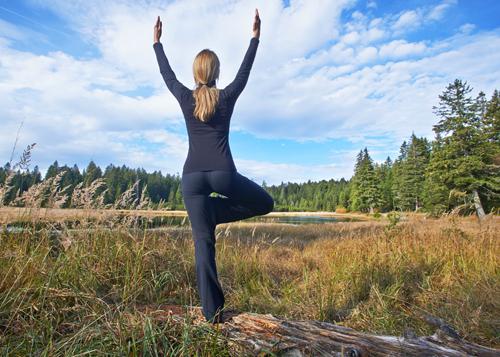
column 157, row 30
column 256, row 25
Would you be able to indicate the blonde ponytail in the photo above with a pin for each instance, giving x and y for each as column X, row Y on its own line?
column 206, row 95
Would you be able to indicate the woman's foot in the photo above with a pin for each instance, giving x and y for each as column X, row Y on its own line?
column 218, row 318
column 226, row 315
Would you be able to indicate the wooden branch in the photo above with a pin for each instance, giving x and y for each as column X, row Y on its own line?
column 261, row 333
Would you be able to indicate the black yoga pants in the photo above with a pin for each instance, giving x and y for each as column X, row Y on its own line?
column 243, row 199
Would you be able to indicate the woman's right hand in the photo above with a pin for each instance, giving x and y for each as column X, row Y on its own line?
column 256, row 25
column 157, row 30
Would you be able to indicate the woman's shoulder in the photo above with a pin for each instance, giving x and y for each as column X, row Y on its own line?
column 223, row 92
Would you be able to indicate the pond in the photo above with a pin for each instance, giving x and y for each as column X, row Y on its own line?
column 301, row 219
column 174, row 221
column 289, row 219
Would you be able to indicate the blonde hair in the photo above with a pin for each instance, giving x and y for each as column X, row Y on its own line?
column 206, row 95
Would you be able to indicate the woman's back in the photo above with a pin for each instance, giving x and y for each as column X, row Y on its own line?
column 208, row 141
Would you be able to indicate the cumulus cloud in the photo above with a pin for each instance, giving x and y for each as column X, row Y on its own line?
column 407, row 20
column 412, row 19
column 401, row 48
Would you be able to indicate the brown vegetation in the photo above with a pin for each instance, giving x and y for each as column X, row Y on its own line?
column 75, row 290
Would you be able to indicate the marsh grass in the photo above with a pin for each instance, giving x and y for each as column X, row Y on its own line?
column 75, row 291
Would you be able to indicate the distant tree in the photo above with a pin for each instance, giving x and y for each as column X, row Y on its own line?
column 52, row 171
column 409, row 169
column 385, row 178
column 91, row 173
column 397, row 176
column 435, row 192
column 365, row 194
column 36, row 176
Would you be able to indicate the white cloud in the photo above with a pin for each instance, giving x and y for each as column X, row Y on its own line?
column 401, row 48
column 375, row 34
column 275, row 173
column 437, row 12
column 351, row 38
column 10, row 31
column 467, row 28
column 367, row 54
column 407, row 20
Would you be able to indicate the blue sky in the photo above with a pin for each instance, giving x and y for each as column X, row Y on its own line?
column 330, row 77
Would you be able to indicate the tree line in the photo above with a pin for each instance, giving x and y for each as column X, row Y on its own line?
column 457, row 170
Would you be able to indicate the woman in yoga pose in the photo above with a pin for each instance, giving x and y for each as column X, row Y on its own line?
column 209, row 165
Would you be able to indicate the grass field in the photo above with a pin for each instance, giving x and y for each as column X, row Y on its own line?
column 76, row 292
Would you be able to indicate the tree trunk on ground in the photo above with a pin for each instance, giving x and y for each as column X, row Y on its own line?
column 478, row 205
column 254, row 334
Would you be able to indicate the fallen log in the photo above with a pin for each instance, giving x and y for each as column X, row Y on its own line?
column 259, row 334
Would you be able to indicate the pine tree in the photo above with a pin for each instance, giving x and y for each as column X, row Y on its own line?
column 436, row 193
column 36, row 176
column 491, row 122
column 463, row 155
column 92, row 173
column 409, row 173
column 490, row 131
column 52, row 171
column 397, row 177
column 366, row 195
column 356, row 182
column 384, row 174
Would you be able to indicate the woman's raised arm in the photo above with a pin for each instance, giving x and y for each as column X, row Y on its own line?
column 234, row 89
column 176, row 88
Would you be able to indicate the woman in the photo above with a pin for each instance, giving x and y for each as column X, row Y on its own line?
column 209, row 165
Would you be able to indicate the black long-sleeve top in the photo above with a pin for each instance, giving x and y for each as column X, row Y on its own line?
column 208, row 142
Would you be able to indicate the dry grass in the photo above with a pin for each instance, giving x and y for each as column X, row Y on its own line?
column 32, row 215
column 76, row 292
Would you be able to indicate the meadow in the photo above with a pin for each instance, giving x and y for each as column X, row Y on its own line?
column 77, row 284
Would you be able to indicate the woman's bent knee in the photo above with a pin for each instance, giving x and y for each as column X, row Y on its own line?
column 267, row 205
column 270, row 205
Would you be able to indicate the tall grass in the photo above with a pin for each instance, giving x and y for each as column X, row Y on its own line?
column 77, row 292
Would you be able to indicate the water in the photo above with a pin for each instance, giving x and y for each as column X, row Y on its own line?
column 291, row 219
column 301, row 219
column 176, row 221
